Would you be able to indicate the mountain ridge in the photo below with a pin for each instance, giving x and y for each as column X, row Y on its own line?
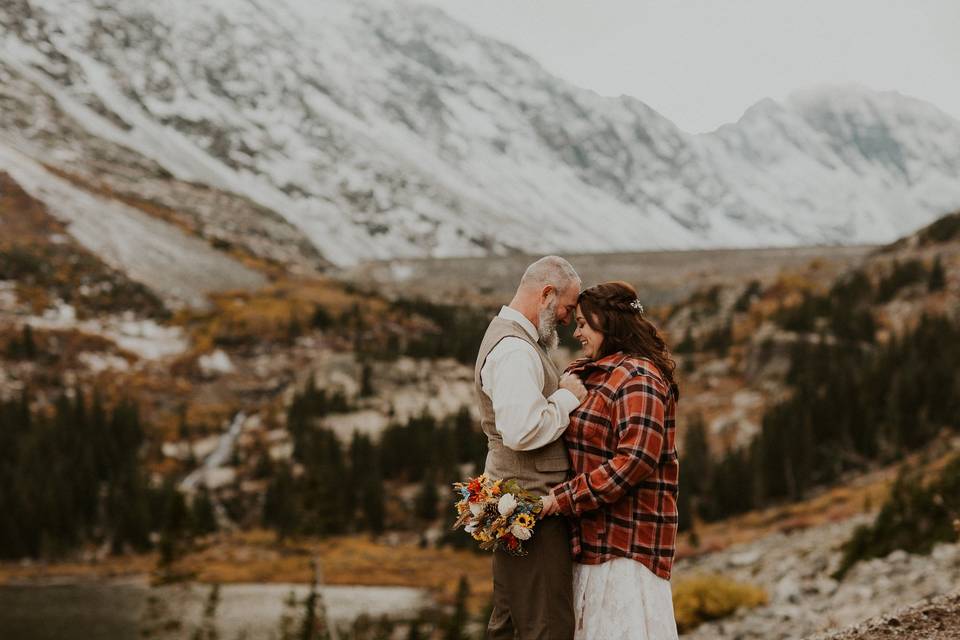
column 383, row 130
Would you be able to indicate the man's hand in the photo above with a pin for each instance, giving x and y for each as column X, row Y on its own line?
column 550, row 506
column 572, row 384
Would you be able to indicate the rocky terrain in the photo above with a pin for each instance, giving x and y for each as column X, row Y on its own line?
column 795, row 570
column 938, row 619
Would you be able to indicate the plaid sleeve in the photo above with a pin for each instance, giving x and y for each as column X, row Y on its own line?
column 638, row 410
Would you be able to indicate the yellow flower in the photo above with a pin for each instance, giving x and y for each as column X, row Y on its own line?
column 501, row 532
column 524, row 520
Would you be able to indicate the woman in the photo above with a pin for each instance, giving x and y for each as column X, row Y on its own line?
column 622, row 498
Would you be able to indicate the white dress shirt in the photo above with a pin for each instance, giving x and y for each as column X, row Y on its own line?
column 512, row 377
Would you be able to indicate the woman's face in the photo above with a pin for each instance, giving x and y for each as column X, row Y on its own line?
column 590, row 338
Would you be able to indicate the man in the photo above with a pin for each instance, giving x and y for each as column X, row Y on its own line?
column 525, row 406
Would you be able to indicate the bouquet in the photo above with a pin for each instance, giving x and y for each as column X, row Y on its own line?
column 496, row 513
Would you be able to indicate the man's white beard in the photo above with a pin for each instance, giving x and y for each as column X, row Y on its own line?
column 547, row 326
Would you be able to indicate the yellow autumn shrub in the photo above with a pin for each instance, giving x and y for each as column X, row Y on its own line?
column 699, row 599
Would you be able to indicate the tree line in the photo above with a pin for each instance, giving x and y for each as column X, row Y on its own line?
column 74, row 475
column 852, row 405
column 915, row 516
column 342, row 488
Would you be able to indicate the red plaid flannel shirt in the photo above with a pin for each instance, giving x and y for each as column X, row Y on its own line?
column 623, row 492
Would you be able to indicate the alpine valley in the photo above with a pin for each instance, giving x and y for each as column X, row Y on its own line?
column 352, row 130
column 248, row 250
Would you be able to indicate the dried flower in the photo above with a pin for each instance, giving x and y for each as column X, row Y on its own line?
column 499, row 515
column 507, row 504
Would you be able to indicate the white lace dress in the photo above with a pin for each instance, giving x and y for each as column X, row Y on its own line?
column 622, row 600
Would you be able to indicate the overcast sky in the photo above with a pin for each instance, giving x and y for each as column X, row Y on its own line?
column 701, row 63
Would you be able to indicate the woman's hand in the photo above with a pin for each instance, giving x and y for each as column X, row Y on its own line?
column 550, row 506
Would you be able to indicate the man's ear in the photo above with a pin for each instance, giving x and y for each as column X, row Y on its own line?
column 546, row 291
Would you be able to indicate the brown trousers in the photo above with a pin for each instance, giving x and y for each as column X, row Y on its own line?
column 533, row 594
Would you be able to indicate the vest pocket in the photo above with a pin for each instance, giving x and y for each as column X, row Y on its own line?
column 552, row 463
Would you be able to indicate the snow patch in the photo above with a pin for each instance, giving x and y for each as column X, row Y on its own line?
column 215, row 363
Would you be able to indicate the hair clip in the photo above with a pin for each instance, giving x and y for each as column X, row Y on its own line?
column 637, row 306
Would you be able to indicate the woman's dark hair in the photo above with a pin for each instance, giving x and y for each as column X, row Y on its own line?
column 611, row 309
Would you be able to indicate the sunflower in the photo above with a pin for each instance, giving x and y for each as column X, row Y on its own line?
column 524, row 520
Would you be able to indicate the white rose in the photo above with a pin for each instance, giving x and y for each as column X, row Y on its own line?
column 476, row 508
column 520, row 532
column 507, row 504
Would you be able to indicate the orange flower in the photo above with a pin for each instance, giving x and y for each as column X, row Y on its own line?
column 476, row 490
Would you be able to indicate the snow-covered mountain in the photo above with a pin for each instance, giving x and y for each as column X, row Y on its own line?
column 383, row 128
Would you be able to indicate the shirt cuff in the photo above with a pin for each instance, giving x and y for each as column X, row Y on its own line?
column 561, row 493
column 565, row 401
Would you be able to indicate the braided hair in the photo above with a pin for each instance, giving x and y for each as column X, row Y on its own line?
column 612, row 309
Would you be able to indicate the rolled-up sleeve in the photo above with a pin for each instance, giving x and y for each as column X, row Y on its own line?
column 637, row 413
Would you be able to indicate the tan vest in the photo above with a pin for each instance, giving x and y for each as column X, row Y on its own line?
column 537, row 470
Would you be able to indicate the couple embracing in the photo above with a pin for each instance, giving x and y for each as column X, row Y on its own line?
column 597, row 442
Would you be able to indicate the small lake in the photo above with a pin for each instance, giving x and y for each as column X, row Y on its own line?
column 116, row 610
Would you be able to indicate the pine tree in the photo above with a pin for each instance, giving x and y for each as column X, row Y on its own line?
column 366, row 380
column 308, row 628
column 315, row 624
column 208, row 625
column 321, row 318
column 288, row 619
column 173, row 524
column 156, row 619
column 684, row 511
column 746, row 298
column 427, row 497
column 202, row 515
column 280, row 504
column 457, row 623
column 463, row 434
column 374, row 508
column 938, row 278
column 183, row 429
column 29, row 348
column 326, row 507
column 697, row 466
column 719, row 340
column 294, row 326
column 687, row 345
column 414, row 633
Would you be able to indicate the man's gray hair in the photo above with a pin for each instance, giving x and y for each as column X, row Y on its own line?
column 550, row 270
